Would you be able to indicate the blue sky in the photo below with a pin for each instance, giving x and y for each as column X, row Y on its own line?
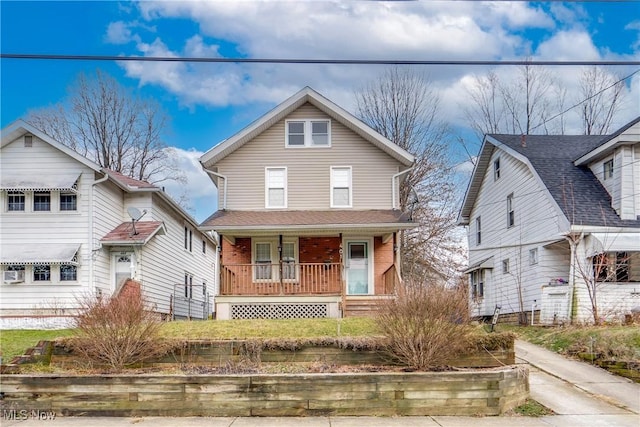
column 210, row 102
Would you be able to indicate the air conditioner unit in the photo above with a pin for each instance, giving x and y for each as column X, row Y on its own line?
column 13, row 276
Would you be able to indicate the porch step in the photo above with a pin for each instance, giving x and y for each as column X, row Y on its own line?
column 363, row 306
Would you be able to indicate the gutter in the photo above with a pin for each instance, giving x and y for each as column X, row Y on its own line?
column 393, row 185
column 224, row 200
column 91, row 249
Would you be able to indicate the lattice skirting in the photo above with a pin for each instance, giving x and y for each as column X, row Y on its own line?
column 279, row 311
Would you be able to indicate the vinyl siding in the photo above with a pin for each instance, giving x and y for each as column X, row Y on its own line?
column 308, row 169
column 537, row 223
column 33, row 228
column 164, row 260
column 101, row 207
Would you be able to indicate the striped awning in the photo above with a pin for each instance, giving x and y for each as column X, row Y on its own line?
column 39, row 253
column 11, row 181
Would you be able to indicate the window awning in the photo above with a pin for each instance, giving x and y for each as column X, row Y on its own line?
column 34, row 182
column 597, row 243
column 32, row 253
column 485, row 263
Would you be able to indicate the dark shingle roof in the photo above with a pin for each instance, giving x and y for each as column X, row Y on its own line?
column 575, row 189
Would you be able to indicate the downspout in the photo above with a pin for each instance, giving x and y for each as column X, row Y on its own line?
column 91, row 201
column 217, row 175
column 393, row 185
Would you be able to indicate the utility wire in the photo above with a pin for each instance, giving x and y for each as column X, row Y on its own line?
column 64, row 57
column 584, row 100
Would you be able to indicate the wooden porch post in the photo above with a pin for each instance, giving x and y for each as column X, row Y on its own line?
column 280, row 263
column 343, row 293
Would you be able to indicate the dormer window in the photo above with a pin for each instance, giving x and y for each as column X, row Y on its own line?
column 608, row 169
column 308, row 133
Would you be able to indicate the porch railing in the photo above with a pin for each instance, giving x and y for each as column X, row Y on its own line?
column 390, row 280
column 288, row 279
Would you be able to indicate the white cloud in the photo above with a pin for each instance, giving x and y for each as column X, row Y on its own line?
column 118, row 33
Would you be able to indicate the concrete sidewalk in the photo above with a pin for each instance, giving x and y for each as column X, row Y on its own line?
column 574, row 387
column 580, row 394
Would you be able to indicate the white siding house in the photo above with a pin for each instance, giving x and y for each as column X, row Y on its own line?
column 543, row 213
column 66, row 232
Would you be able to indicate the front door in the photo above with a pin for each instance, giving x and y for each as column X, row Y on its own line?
column 123, row 268
column 357, row 268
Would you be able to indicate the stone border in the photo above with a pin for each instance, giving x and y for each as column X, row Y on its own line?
column 474, row 392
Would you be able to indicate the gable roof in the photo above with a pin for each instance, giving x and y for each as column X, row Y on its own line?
column 124, row 233
column 309, row 95
column 575, row 189
column 18, row 128
column 626, row 134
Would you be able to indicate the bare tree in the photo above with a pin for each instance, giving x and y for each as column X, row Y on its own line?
column 601, row 93
column 403, row 106
column 516, row 106
column 103, row 121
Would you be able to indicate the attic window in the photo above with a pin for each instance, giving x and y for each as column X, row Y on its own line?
column 308, row 133
column 28, row 141
column 496, row 169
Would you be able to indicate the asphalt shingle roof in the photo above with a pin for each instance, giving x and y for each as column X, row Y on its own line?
column 576, row 190
column 305, row 218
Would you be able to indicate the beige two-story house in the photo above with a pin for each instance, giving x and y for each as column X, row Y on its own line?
column 308, row 216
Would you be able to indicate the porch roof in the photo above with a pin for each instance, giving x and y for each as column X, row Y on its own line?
column 123, row 234
column 334, row 220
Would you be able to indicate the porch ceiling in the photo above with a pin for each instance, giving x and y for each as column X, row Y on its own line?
column 305, row 222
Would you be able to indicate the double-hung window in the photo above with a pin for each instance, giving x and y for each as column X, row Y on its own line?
column 276, row 187
column 533, row 256
column 477, row 284
column 263, row 269
column 608, row 169
column 511, row 215
column 15, row 201
column 496, row 169
column 308, row 133
column 478, row 231
column 42, row 201
column 341, row 188
column 288, row 261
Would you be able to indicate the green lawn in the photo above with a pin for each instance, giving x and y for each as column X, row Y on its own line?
column 15, row 342
column 283, row 328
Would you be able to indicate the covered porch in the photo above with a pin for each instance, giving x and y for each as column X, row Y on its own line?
column 297, row 258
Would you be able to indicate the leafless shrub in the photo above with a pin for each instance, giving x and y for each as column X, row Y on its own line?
column 118, row 331
column 425, row 326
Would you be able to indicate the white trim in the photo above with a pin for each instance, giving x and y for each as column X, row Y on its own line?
column 370, row 262
column 274, row 241
column 309, row 95
column 331, row 180
column 307, row 133
column 267, row 201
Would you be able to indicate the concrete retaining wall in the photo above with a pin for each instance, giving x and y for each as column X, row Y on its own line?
column 489, row 392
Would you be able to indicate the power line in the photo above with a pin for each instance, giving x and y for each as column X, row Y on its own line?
column 301, row 61
column 584, row 100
